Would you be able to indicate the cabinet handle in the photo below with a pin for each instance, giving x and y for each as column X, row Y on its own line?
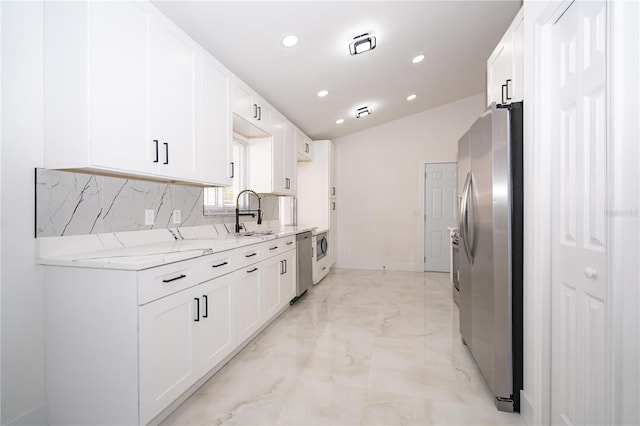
column 252, row 270
column 508, row 97
column 333, row 205
column 155, row 141
column 255, row 110
column 233, row 170
column 273, row 248
column 306, row 147
column 250, row 255
column 289, row 243
column 179, row 277
column 324, row 268
column 287, row 183
column 197, row 299
column 166, row 152
column 259, row 113
column 504, row 86
column 206, row 306
column 220, row 264
column 333, row 190
column 285, row 266
column 282, row 267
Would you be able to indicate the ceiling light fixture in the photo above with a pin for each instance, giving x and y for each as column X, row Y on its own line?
column 363, row 112
column 417, row 59
column 411, row 97
column 323, row 93
column 290, row 41
column 362, row 43
column 340, row 121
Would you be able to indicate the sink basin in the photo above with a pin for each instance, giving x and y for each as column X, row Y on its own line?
column 253, row 233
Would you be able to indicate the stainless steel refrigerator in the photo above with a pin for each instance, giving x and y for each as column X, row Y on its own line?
column 490, row 264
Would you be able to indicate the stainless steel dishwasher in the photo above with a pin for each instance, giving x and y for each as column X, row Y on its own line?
column 304, row 254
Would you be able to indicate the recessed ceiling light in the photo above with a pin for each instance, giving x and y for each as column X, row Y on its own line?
column 417, row 59
column 411, row 97
column 340, row 121
column 323, row 93
column 290, row 41
column 362, row 43
column 363, row 112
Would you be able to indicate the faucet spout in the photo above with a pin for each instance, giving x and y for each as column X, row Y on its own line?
column 248, row 212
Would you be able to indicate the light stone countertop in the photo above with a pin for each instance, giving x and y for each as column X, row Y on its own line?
column 138, row 250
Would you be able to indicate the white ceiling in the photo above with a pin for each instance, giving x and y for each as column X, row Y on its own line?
column 456, row 37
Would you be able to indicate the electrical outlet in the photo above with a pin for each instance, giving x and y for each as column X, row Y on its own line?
column 177, row 217
column 148, row 217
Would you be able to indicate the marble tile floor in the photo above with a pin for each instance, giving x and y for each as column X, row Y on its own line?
column 363, row 347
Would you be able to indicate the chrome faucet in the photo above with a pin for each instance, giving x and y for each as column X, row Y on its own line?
column 247, row 212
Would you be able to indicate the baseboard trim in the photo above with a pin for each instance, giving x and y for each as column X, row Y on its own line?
column 526, row 408
column 390, row 266
column 37, row 416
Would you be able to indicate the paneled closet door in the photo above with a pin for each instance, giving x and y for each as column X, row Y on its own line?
column 579, row 221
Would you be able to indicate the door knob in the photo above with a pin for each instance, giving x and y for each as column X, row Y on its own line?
column 590, row 273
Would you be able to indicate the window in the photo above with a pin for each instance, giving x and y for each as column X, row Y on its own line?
column 223, row 200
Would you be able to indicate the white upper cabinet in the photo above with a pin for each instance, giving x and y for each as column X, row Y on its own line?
column 174, row 92
column 248, row 105
column 505, row 66
column 123, row 93
column 98, row 49
column 217, row 127
column 304, row 149
column 272, row 164
column 289, row 160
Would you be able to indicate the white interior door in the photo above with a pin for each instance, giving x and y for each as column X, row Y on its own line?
column 441, row 184
column 579, row 224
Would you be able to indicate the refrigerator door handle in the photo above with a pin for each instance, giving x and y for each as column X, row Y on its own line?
column 464, row 218
column 470, row 219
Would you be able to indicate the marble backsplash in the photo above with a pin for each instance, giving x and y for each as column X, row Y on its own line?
column 77, row 204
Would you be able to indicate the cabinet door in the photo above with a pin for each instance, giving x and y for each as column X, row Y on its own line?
column 288, row 277
column 166, row 351
column 304, row 150
column 270, row 287
column 243, row 102
column 215, row 333
column 118, row 67
column 217, row 141
column 290, row 160
column 174, row 81
column 247, row 283
column 262, row 117
column 518, row 63
column 333, row 231
column 278, row 135
column 333, row 171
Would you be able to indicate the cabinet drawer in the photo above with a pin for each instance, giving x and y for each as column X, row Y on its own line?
column 252, row 254
column 159, row 282
column 220, row 264
column 281, row 245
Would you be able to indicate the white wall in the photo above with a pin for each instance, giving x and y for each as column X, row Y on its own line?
column 23, row 394
column 381, row 184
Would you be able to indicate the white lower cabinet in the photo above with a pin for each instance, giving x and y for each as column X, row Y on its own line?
column 122, row 346
column 287, row 277
column 248, row 301
column 167, row 366
column 262, row 290
column 270, row 287
column 216, row 332
column 182, row 337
